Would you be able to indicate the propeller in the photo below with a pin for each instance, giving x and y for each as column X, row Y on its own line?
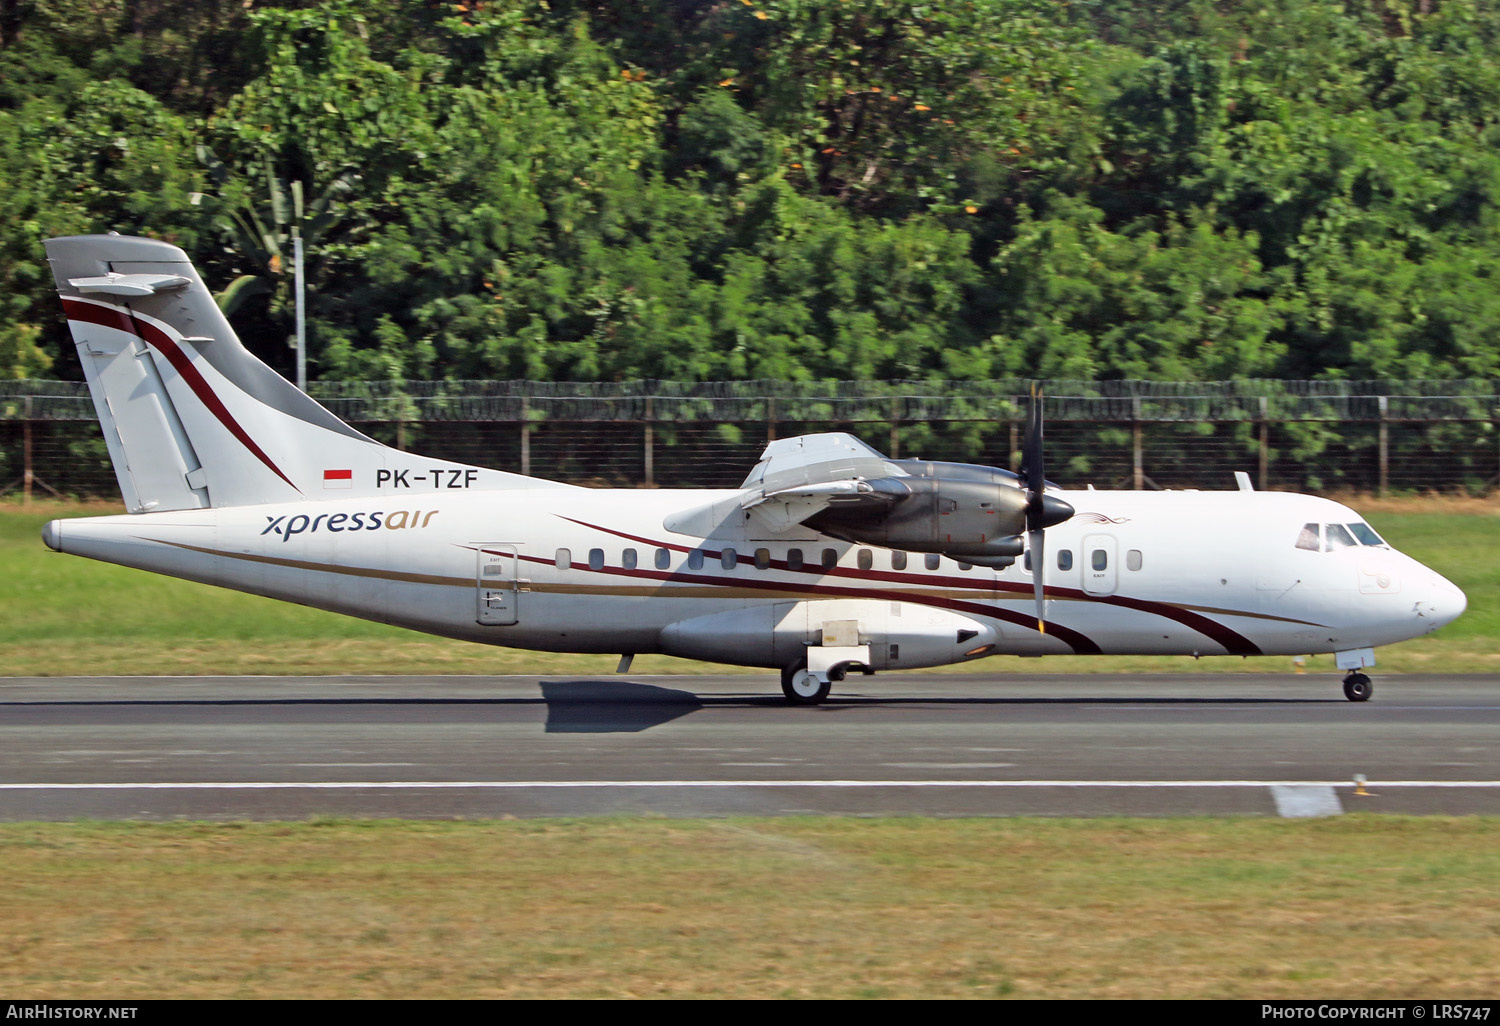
column 1042, row 510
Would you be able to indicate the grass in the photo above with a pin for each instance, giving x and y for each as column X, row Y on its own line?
column 1358, row 907
column 63, row 616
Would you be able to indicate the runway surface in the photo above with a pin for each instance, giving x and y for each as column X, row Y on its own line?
column 962, row 745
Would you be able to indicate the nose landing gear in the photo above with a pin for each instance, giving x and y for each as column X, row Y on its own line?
column 1357, row 687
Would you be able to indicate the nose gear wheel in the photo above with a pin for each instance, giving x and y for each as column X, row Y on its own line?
column 1357, row 687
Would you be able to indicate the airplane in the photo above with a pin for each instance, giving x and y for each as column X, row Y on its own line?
column 830, row 559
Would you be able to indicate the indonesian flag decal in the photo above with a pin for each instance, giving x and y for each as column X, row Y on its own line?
column 338, row 479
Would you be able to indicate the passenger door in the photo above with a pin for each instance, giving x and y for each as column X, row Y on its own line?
column 498, row 585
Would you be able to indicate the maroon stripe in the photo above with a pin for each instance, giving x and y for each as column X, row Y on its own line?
column 1233, row 642
column 1079, row 642
column 110, row 317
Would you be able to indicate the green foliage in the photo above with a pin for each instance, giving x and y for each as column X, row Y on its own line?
column 20, row 356
column 23, row 223
column 1175, row 304
column 779, row 188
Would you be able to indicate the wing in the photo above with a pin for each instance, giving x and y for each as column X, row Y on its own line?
column 797, row 478
column 837, row 485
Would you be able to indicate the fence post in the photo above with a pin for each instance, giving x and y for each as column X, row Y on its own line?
column 1265, row 443
column 526, row 436
column 770, row 418
column 894, row 450
column 650, row 444
column 27, row 475
column 1385, row 448
column 1137, row 457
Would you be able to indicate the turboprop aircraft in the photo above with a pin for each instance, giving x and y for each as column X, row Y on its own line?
column 829, row 559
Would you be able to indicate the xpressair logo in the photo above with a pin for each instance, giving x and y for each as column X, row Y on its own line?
column 289, row 526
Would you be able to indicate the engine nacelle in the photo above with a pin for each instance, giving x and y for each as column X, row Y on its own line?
column 967, row 512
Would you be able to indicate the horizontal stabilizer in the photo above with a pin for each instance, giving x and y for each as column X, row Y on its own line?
column 128, row 284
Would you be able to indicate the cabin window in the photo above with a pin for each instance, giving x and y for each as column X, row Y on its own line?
column 728, row 559
column 1065, row 559
column 866, row 559
column 695, row 559
column 663, row 559
column 564, row 559
column 1366, row 534
column 898, row 561
column 1337, row 536
column 966, row 567
column 1309, row 538
column 762, row 559
column 932, row 560
column 1026, row 561
column 627, row 559
column 1133, row 559
column 596, row 559
column 830, row 558
column 1099, row 559
column 794, row 559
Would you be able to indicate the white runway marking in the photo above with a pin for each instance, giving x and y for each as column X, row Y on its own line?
column 950, row 765
column 354, row 785
column 1296, row 802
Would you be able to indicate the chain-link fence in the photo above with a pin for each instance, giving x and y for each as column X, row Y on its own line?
column 1371, row 436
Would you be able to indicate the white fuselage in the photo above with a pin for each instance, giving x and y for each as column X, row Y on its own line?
column 563, row 569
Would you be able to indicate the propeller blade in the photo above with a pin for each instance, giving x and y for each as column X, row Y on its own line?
column 1042, row 510
column 1036, row 540
column 1033, row 472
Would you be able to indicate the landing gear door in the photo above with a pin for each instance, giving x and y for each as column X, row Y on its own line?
column 498, row 585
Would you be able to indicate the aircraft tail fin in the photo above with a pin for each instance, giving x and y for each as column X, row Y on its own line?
column 191, row 417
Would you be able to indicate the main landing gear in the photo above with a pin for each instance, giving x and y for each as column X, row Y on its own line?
column 808, row 687
column 1357, row 687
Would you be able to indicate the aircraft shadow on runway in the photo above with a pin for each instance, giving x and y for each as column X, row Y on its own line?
column 592, row 706
column 613, row 706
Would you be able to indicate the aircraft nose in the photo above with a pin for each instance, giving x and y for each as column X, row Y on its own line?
column 1442, row 603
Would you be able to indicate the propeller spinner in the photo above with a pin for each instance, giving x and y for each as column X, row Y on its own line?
column 1042, row 510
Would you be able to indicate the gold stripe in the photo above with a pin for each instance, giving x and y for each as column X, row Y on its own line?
column 670, row 589
column 1240, row 612
column 351, row 571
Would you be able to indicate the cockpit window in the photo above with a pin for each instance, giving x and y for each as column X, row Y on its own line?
column 1332, row 537
column 1338, row 537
